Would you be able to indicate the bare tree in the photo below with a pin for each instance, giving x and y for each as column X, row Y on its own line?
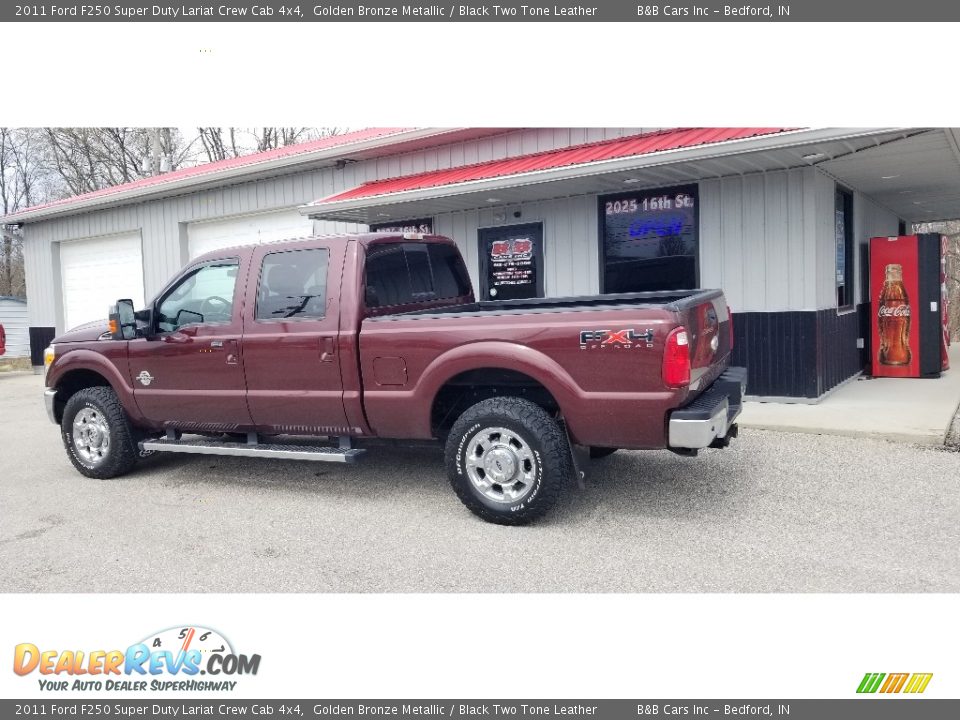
column 89, row 159
column 221, row 143
column 40, row 165
column 21, row 178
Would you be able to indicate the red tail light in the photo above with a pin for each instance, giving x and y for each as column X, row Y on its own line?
column 676, row 359
column 730, row 323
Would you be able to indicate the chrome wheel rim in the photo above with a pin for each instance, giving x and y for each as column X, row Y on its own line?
column 91, row 436
column 501, row 465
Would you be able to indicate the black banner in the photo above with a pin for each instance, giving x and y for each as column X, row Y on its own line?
column 420, row 225
column 504, row 11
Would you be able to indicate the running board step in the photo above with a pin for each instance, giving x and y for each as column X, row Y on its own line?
column 316, row 453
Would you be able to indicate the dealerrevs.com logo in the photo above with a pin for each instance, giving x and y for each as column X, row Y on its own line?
column 172, row 659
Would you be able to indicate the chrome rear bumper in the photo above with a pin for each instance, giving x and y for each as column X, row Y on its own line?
column 710, row 418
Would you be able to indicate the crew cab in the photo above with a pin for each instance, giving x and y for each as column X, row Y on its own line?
column 312, row 349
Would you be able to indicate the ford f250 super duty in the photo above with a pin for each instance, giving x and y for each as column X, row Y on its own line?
column 308, row 348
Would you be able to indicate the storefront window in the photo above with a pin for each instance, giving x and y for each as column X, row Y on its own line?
column 843, row 234
column 649, row 240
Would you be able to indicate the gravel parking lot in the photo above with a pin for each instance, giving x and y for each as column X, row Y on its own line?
column 776, row 512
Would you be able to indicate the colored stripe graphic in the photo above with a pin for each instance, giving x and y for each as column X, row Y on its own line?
column 894, row 682
column 870, row 682
column 918, row 683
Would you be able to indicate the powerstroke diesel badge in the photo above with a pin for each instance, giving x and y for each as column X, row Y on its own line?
column 617, row 339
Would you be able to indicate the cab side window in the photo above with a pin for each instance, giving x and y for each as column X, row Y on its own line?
column 409, row 273
column 293, row 284
column 204, row 296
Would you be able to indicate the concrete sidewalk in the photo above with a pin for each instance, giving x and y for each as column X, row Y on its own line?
column 904, row 409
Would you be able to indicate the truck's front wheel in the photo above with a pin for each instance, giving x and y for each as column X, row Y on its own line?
column 507, row 459
column 97, row 434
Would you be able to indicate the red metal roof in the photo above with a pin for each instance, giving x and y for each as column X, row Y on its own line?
column 230, row 163
column 580, row 154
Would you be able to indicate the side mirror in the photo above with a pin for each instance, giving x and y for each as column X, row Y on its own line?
column 145, row 327
column 123, row 323
column 188, row 317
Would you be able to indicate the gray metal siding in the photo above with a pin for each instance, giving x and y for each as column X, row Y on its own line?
column 869, row 220
column 13, row 317
column 757, row 240
column 570, row 246
column 161, row 221
column 765, row 238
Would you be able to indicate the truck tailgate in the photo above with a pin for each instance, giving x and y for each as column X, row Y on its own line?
column 708, row 321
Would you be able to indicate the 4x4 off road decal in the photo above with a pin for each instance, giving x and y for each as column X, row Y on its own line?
column 617, row 339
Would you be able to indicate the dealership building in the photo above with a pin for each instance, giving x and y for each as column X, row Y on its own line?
column 779, row 218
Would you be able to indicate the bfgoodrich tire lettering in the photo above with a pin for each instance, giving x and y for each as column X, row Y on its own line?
column 108, row 448
column 507, row 460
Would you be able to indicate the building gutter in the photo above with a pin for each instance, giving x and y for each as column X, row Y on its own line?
column 791, row 138
column 220, row 177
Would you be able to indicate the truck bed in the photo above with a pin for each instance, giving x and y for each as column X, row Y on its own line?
column 599, row 356
column 673, row 300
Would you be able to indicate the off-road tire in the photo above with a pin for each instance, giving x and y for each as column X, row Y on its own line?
column 123, row 451
column 596, row 453
column 538, row 430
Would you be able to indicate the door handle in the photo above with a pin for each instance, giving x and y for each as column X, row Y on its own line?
column 233, row 355
column 327, row 349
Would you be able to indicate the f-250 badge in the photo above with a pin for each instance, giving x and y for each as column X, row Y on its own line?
column 145, row 378
column 617, row 339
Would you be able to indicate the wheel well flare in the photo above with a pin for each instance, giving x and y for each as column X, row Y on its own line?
column 470, row 387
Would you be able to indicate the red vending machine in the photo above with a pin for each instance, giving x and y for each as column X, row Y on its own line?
column 907, row 288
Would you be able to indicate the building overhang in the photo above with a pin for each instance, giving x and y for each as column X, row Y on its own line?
column 916, row 177
column 830, row 148
column 353, row 146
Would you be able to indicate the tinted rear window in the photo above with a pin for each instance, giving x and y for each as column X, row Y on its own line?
column 408, row 273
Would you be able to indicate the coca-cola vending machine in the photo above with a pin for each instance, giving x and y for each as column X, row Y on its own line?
column 908, row 291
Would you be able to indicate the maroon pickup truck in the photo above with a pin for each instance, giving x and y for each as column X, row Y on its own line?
column 304, row 349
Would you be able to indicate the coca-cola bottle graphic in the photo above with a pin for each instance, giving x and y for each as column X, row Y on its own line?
column 893, row 319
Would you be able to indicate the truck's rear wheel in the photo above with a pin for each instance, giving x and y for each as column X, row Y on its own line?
column 97, row 435
column 507, row 460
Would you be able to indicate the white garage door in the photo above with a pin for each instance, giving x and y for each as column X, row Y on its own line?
column 247, row 229
column 97, row 272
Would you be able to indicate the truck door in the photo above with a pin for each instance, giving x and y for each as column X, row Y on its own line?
column 189, row 375
column 290, row 340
